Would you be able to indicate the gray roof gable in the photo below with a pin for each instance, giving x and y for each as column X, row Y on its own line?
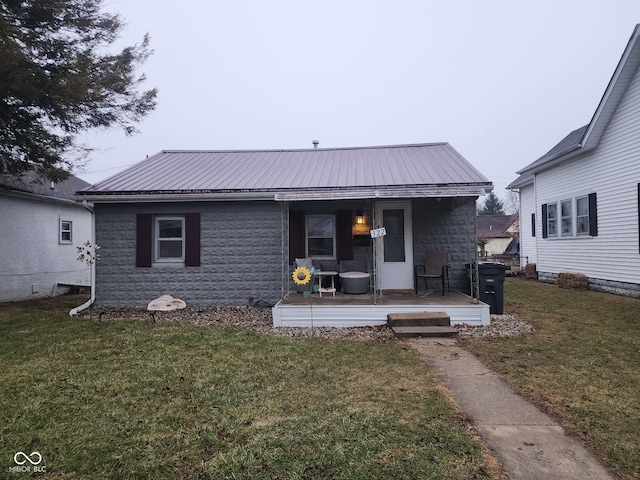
column 30, row 184
column 218, row 172
column 586, row 138
column 494, row 226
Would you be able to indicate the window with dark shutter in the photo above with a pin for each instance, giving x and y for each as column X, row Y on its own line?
column 593, row 215
column 533, row 224
column 545, row 233
column 296, row 235
column 144, row 239
column 344, row 237
column 174, row 239
column 192, row 240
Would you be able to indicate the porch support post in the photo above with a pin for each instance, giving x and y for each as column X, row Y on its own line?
column 284, row 206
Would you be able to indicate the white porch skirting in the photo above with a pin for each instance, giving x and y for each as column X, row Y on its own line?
column 336, row 315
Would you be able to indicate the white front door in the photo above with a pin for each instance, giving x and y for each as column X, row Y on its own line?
column 395, row 249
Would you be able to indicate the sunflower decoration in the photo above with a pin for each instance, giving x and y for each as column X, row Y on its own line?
column 301, row 276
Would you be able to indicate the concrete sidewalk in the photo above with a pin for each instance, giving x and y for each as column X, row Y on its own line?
column 529, row 444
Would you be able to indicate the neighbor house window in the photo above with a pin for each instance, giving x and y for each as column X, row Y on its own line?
column 566, row 218
column 533, row 224
column 321, row 236
column 169, row 239
column 582, row 216
column 65, row 231
column 581, row 212
column 552, row 219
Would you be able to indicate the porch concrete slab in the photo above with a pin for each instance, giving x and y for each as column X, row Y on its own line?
column 529, row 444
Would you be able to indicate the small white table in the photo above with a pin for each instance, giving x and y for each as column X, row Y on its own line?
column 327, row 273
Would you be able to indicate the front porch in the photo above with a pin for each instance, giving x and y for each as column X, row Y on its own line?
column 296, row 310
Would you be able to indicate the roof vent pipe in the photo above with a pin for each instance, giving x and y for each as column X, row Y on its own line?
column 315, row 143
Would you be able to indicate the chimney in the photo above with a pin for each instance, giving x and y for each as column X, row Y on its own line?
column 315, row 143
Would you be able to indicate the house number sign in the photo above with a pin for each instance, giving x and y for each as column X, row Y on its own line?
column 378, row 232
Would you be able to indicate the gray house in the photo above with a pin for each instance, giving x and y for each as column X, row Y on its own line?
column 224, row 227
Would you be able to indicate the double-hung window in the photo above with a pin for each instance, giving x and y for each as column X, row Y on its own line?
column 65, row 230
column 169, row 239
column 571, row 217
column 552, row 219
column 321, row 236
column 582, row 216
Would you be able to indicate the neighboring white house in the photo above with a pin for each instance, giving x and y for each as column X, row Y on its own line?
column 41, row 229
column 579, row 203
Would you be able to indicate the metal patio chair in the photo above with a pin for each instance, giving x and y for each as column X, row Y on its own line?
column 436, row 265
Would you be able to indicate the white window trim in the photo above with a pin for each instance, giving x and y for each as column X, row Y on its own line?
column 562, row 218
column 61, row 231
column 306, row 236
column 156, row 240
column 555, row 220
column 582, row 234
column 574, row 218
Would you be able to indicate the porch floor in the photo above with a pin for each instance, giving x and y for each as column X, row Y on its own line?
column 363, row 310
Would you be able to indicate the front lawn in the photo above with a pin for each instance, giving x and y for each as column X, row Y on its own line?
column 133, row 399
column 582, row 364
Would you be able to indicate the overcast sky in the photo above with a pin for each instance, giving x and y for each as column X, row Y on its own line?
column 501, row 81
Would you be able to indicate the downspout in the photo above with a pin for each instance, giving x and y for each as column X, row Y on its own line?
column 75, row 311
column 535, row 210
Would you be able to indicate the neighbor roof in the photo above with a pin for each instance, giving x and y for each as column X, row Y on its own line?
column 494, row 226
column 30, row 184
column 586, row 138
column 433, row 169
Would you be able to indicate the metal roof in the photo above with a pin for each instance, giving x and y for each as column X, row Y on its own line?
column 362, row 172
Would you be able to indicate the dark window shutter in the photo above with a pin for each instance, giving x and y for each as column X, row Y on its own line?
column 296, row 235
column 144, row 239
column 593, row 215
column 533, row 224
column 344, row 238
column 192, row 240
column 545, row 234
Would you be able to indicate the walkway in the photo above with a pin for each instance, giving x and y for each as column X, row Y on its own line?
column 529, row 444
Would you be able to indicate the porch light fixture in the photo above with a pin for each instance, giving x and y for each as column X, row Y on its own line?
column 360, row 226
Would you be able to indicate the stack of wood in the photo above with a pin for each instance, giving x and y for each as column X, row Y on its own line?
column 530, row 271
column 575, row 281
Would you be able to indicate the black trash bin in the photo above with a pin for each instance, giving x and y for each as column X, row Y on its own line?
column 491, row 280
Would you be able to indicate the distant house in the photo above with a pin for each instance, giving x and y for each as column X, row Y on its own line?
column 496, row 233
column 41, row 227
column 579, row 203
column 224, row 227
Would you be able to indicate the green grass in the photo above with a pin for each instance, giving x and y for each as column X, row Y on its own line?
column 141, row 400
column 582, row 364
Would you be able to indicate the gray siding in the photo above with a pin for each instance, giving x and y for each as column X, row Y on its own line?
column 446, row 224
column 241, row 256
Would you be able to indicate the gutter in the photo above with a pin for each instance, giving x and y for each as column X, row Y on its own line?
column 75, row 311
column 340, row 193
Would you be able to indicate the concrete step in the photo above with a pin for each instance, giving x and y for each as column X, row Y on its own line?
column 416, row 319
column 421, row 331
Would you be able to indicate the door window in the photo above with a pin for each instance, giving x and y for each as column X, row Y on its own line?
column 393, row 222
